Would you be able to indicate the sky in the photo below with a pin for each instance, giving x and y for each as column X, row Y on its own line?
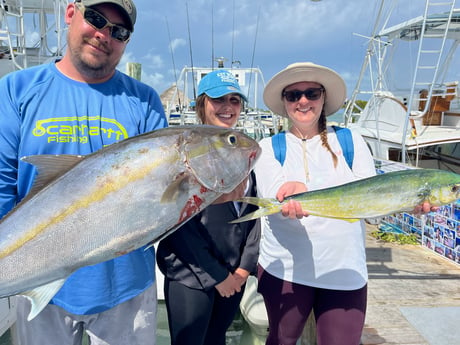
column 268, row 34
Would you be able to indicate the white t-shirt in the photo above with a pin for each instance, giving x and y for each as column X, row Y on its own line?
column 314, row 251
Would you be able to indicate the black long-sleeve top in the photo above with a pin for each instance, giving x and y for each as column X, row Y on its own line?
column 202, row 252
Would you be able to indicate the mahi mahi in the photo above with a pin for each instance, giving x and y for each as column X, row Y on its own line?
column 376, row 196
column 113, row 201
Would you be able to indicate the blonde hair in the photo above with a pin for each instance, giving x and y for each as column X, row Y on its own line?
column 322, row 127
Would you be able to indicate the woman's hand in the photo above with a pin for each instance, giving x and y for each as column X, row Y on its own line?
column 426, row 207
column 292, row 208
column 228, row 287
column 241, row 275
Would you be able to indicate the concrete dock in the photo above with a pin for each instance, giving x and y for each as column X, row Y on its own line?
column 413, row 296
column 413, row 299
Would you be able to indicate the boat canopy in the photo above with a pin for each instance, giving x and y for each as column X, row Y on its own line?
column 435, row 26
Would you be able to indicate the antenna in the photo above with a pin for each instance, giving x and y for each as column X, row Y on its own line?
column 174, row 64
column 212, row 35
column 190, row 47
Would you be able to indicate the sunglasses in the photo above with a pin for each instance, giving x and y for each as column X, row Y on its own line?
column 99, row 22
column 311, row 94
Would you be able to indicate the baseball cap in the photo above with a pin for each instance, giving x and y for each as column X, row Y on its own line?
column 219, row 83
column 127, row 6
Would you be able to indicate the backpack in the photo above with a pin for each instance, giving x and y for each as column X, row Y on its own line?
column 343, row 135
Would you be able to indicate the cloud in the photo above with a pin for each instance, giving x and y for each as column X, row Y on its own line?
column 176, row 43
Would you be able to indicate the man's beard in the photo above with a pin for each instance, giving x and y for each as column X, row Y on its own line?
column 98, row 70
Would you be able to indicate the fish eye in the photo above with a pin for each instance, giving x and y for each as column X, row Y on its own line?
column 455, row 188
column 232, row 140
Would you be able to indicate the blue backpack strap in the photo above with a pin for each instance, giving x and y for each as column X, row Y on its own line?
column 346, row 141
column 279, row 146
column 343, row 135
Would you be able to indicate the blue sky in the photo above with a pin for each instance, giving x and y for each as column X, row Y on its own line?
column 268, row 34
column 288, row 31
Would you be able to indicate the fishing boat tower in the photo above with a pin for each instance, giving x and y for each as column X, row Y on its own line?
column 405, row 103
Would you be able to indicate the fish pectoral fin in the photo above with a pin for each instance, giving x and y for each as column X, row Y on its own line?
column 172, row 191
column 41, row 296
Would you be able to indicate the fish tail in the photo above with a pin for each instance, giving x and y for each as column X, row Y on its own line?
column 267, row 207
column 261, row 202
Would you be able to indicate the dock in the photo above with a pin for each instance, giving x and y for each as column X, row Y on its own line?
column 413, row 295
column 413, row 299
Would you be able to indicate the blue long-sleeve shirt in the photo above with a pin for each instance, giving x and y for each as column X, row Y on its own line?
column 44, row 112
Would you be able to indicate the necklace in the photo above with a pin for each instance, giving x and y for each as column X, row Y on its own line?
column 304, row 149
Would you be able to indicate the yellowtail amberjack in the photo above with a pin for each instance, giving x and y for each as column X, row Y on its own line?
column 376, row 196
column 113, row 201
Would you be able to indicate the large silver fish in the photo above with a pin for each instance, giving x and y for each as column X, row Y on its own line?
column 114, row 201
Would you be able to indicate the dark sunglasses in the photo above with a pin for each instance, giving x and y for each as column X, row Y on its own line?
column 311, row 94
column 99, row 22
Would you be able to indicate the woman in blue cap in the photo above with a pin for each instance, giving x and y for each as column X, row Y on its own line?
column 207, row 261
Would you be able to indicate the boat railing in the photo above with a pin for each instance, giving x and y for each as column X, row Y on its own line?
column 14, row 17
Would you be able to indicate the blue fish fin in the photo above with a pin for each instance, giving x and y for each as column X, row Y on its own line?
column 41, row 296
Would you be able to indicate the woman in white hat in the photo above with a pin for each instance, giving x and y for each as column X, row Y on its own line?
column 311, row 263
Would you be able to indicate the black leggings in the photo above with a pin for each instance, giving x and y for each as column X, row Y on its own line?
column 198, row 317
column 339, row 314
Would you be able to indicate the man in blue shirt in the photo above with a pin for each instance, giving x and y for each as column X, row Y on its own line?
column 78, row 105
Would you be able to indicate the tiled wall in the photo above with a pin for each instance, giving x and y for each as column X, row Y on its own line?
column 437, row 231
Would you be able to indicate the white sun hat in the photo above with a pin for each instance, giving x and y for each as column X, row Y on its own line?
column 332, row 82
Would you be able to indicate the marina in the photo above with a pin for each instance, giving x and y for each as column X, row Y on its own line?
column 414, row 291
column 411, row 112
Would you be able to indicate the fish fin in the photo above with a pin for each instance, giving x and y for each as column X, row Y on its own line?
column 350, row 220
column 41, row 296
column 257, row 214
column 172, row 191
column 261, row 202
column 267, row 206
column 50, row 167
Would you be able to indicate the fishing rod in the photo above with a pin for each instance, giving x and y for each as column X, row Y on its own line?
column 190, row 48
column 173, row 63
column 253, row 51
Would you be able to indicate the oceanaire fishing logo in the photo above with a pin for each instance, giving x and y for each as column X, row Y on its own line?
column 79, row 129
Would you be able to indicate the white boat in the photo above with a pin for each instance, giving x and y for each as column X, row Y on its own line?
column 179, row 100
column 22, row 45
column 412, row 114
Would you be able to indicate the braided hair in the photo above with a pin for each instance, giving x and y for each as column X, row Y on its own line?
column 322, row 122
